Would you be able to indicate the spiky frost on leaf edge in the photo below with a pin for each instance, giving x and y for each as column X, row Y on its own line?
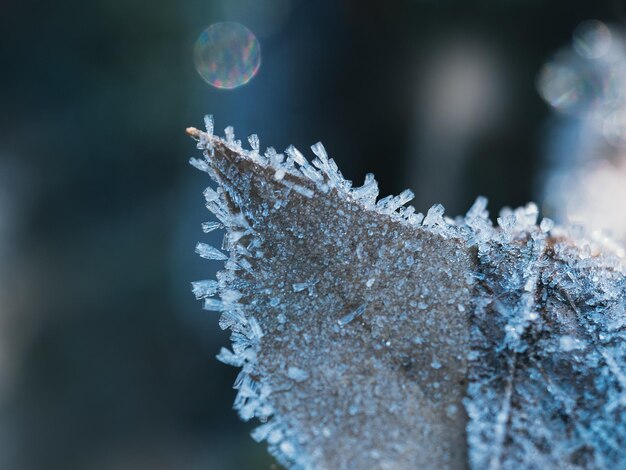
column 294, row 171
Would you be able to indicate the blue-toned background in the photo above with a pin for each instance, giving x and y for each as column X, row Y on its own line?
column 106, row 360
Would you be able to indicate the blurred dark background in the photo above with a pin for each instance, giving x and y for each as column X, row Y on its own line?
column 106, row 360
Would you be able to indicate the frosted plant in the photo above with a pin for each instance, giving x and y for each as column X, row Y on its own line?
column 371, row 336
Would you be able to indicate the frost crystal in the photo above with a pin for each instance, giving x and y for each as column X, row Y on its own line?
column 352, row 315
column 210, row 226
column 202, row 289
column 209, row 252
column 296, row 374
column 476, row 345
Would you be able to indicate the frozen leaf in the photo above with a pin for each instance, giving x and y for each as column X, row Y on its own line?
column 348, row 386
column 364, row 335
column 547, row 370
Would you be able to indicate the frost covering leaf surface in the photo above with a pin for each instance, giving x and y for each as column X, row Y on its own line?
column 359, row 325
column 546, row 368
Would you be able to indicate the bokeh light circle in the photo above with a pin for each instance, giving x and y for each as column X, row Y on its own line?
column 560, row 86
column 580, row 87
column 592, row 39
column 227, row 55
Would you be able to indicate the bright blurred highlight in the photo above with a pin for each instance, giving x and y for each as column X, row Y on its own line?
column 593, row 196
column 586, row 177
column 592, row 39
column 227, row 55
column 561, row 86
column 587, row 79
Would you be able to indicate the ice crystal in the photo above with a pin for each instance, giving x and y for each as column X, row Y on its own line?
column 210, row 226
column 297, row 374
column 352, row 315
column 368, row 339
column 209, row 252
column 203, row 289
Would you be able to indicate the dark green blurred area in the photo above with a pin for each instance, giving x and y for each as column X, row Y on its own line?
column 106, row 360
